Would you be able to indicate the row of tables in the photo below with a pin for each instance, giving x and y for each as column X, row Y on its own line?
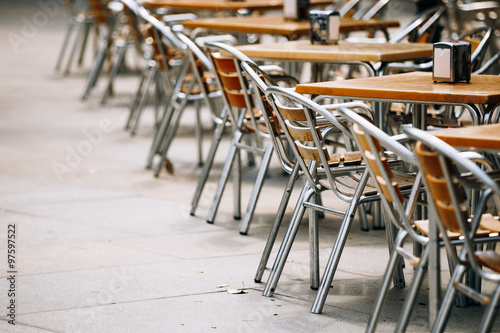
column 417, row 88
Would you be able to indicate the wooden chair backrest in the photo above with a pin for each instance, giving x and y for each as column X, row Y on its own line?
column 301, row 132
column 229, row 79
column 98, row 9
column 438, row 188
column 371, row 157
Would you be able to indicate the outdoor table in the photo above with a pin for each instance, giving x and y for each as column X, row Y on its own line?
column 417, row 88
column 224, row 4
column 277, row 25
column 342, row 52
column 484, row 137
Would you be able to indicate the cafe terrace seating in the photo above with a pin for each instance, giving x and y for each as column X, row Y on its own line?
column 449, row 178
column 401, row 212
column 336, row 150
column 306, row 125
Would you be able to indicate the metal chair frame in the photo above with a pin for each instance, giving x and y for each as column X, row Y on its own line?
column 182, row 93
column 314, row 185
column 445, row 177
column 81, row 16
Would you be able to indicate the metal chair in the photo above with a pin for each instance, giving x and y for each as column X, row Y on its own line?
column 260, row 81
column 133, row 37
column 264, row 121
column 106, row 16
column 250, row 132
column 464, row 200
column 373, row 142
column 162, row 66
column 194, row 83
column 342, row 174
column 80, row 17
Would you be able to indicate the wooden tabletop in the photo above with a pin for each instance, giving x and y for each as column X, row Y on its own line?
column 410, row 87
column 481, row 137
column 224, row 4
column 303, row 50
column 277, row 25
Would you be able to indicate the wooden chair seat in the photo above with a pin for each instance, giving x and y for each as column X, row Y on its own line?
column 490, row 222
column 346, row 185
column 489, row 259
column 208, row 79
column 423, row 227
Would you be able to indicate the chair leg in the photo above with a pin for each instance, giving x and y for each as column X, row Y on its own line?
column 170, row 131
column 411, row 297
column 386, row 282
column 121, row 51
column 491, row 312
column 273, row 233
column 199, row 133
column 314, row 244
column 338, row 247
column 144, row 97
column 226, row 171
column 73, row 50
column 159, row 135
column 448, row 300
column 164, row 124
column 236, row 173
column 96, row 69
column 398, row 277
column 138, row 95
column 172, row 104
column 207, row 166
column 259, row 182
column 69, row 30
column 86, row 32
column 287, row 242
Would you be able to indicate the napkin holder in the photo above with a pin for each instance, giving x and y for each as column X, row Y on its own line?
column 296, row 10
column 451, row 62
column 325, row 26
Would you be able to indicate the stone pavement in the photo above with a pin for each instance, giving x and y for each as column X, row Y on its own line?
column 103, row 246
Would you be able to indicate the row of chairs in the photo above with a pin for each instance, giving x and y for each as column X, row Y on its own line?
column 265, row 116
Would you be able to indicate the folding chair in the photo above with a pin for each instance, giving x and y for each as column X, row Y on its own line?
column 464, row 200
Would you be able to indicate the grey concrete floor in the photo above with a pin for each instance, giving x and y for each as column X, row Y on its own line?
column 103, row 246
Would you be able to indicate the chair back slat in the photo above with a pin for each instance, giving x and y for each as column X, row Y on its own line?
column 230, row 81
column 235, row 98
column 438, row 186
column 224, row 64
column 310, row 153
column 301, row 133
column 292, row 113
column 381, row 174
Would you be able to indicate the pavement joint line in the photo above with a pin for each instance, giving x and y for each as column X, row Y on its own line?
column 28, row 325
column 127, row 302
